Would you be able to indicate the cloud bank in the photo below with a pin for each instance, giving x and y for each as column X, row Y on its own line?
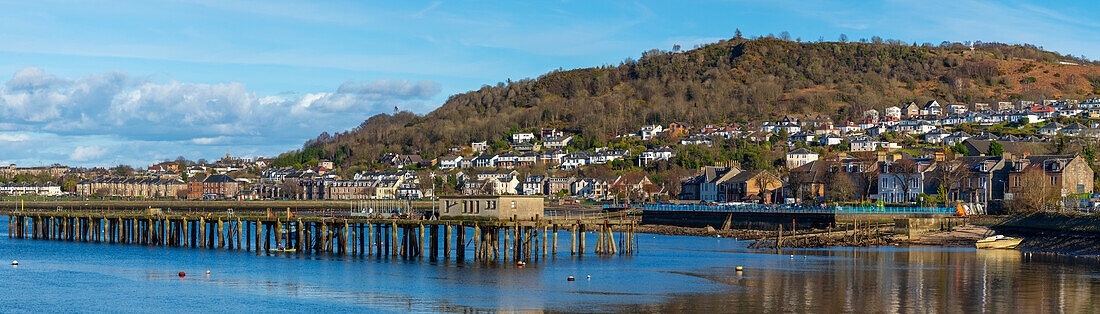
column 113, row 116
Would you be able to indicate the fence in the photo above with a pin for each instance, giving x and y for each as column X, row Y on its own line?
column 797, row 209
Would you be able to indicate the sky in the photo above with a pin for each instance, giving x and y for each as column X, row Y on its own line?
column 103, row 83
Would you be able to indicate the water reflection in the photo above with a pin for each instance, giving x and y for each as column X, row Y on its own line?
column 669, row 274
column 902, row 280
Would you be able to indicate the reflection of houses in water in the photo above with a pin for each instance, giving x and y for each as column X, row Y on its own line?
column 921, row 280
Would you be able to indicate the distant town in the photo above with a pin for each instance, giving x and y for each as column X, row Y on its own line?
column 1039, row 153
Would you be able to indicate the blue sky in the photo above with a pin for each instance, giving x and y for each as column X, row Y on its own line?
column 99, row 83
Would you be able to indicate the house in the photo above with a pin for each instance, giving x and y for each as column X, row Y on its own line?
column 449, row 162
column 546, row 133
column 1050, row 129
column 512, row 208
column 557, row 185
column 401, row 161
column 704, row 186
column 932, row 108
column 797, row 158
column 527, row 159
column 591, row 188
column 1054, row 175
column 654, row 155
column 830, row 140
column 981, row 106
column 751, row 186
column 955, row 138
column 485, row 160
column 36, row 189
column 849, row 127
column 1075, row 129
column 523, row 137
column 759, row 137
column 956, row 109
column 697, row 139
column 533, row 184
column 910, row 111
column 677, row 129
column 650, row 132
column 479, row 146
column 507, row 159
column 892, row 112
column 803, row 136
column 635, row 186
column 871, row 114
column 789, row 125
column 557, row 142
column 976, row 179
column 218, row 185
column 936, row 136
column 574, row 160
column 552, row 157
column 904, row 177
column 864, row 144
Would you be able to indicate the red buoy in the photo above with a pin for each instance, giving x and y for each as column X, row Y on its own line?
column 182, row 274
column 570, row 278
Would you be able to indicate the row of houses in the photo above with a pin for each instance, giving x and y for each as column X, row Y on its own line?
column 900, row 178
column 26, row 188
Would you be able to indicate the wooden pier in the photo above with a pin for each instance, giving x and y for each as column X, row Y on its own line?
column 489, row 241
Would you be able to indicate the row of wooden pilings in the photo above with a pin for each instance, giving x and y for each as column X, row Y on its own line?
column 316, row 235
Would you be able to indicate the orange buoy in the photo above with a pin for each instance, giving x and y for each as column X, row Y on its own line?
column 182, row 274
column 207, row 272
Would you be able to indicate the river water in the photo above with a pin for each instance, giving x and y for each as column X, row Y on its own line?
column 669, row 274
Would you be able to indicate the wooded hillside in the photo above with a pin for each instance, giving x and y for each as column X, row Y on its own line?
column 738, row 80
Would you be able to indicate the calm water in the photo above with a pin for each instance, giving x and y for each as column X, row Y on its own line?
column 671, row 274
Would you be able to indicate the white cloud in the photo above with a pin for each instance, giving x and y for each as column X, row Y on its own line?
column 209, row 140
column 85, row 153
column 5, row 137
column 125, row 109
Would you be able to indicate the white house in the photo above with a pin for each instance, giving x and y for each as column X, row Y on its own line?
column 797, row 158
column 651, row 131
column 893, row 112
column 654, row 155
column 864, row 144
column 523, row 137
column 479, row 146
column 449, row 162
column 936, row 136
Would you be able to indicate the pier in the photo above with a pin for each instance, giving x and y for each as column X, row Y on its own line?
column 489, row 240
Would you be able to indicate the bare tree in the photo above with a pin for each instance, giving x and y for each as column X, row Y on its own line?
column 905, row 171
column 1034, row 191
column 951, row 175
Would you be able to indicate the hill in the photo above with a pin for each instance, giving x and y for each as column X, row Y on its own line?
column 737, row 80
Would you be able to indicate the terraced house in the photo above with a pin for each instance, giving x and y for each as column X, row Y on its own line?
column 132, row 187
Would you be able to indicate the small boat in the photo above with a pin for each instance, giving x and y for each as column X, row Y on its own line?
column 998, row 242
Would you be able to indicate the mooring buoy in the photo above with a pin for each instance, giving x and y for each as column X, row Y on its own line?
column 15, row 263
column 739, row 268
column 182, row 274
column 570, row 278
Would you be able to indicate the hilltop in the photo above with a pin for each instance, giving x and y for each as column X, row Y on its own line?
column 737, row 80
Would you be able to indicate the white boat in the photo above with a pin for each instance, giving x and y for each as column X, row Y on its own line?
column 998, row 242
